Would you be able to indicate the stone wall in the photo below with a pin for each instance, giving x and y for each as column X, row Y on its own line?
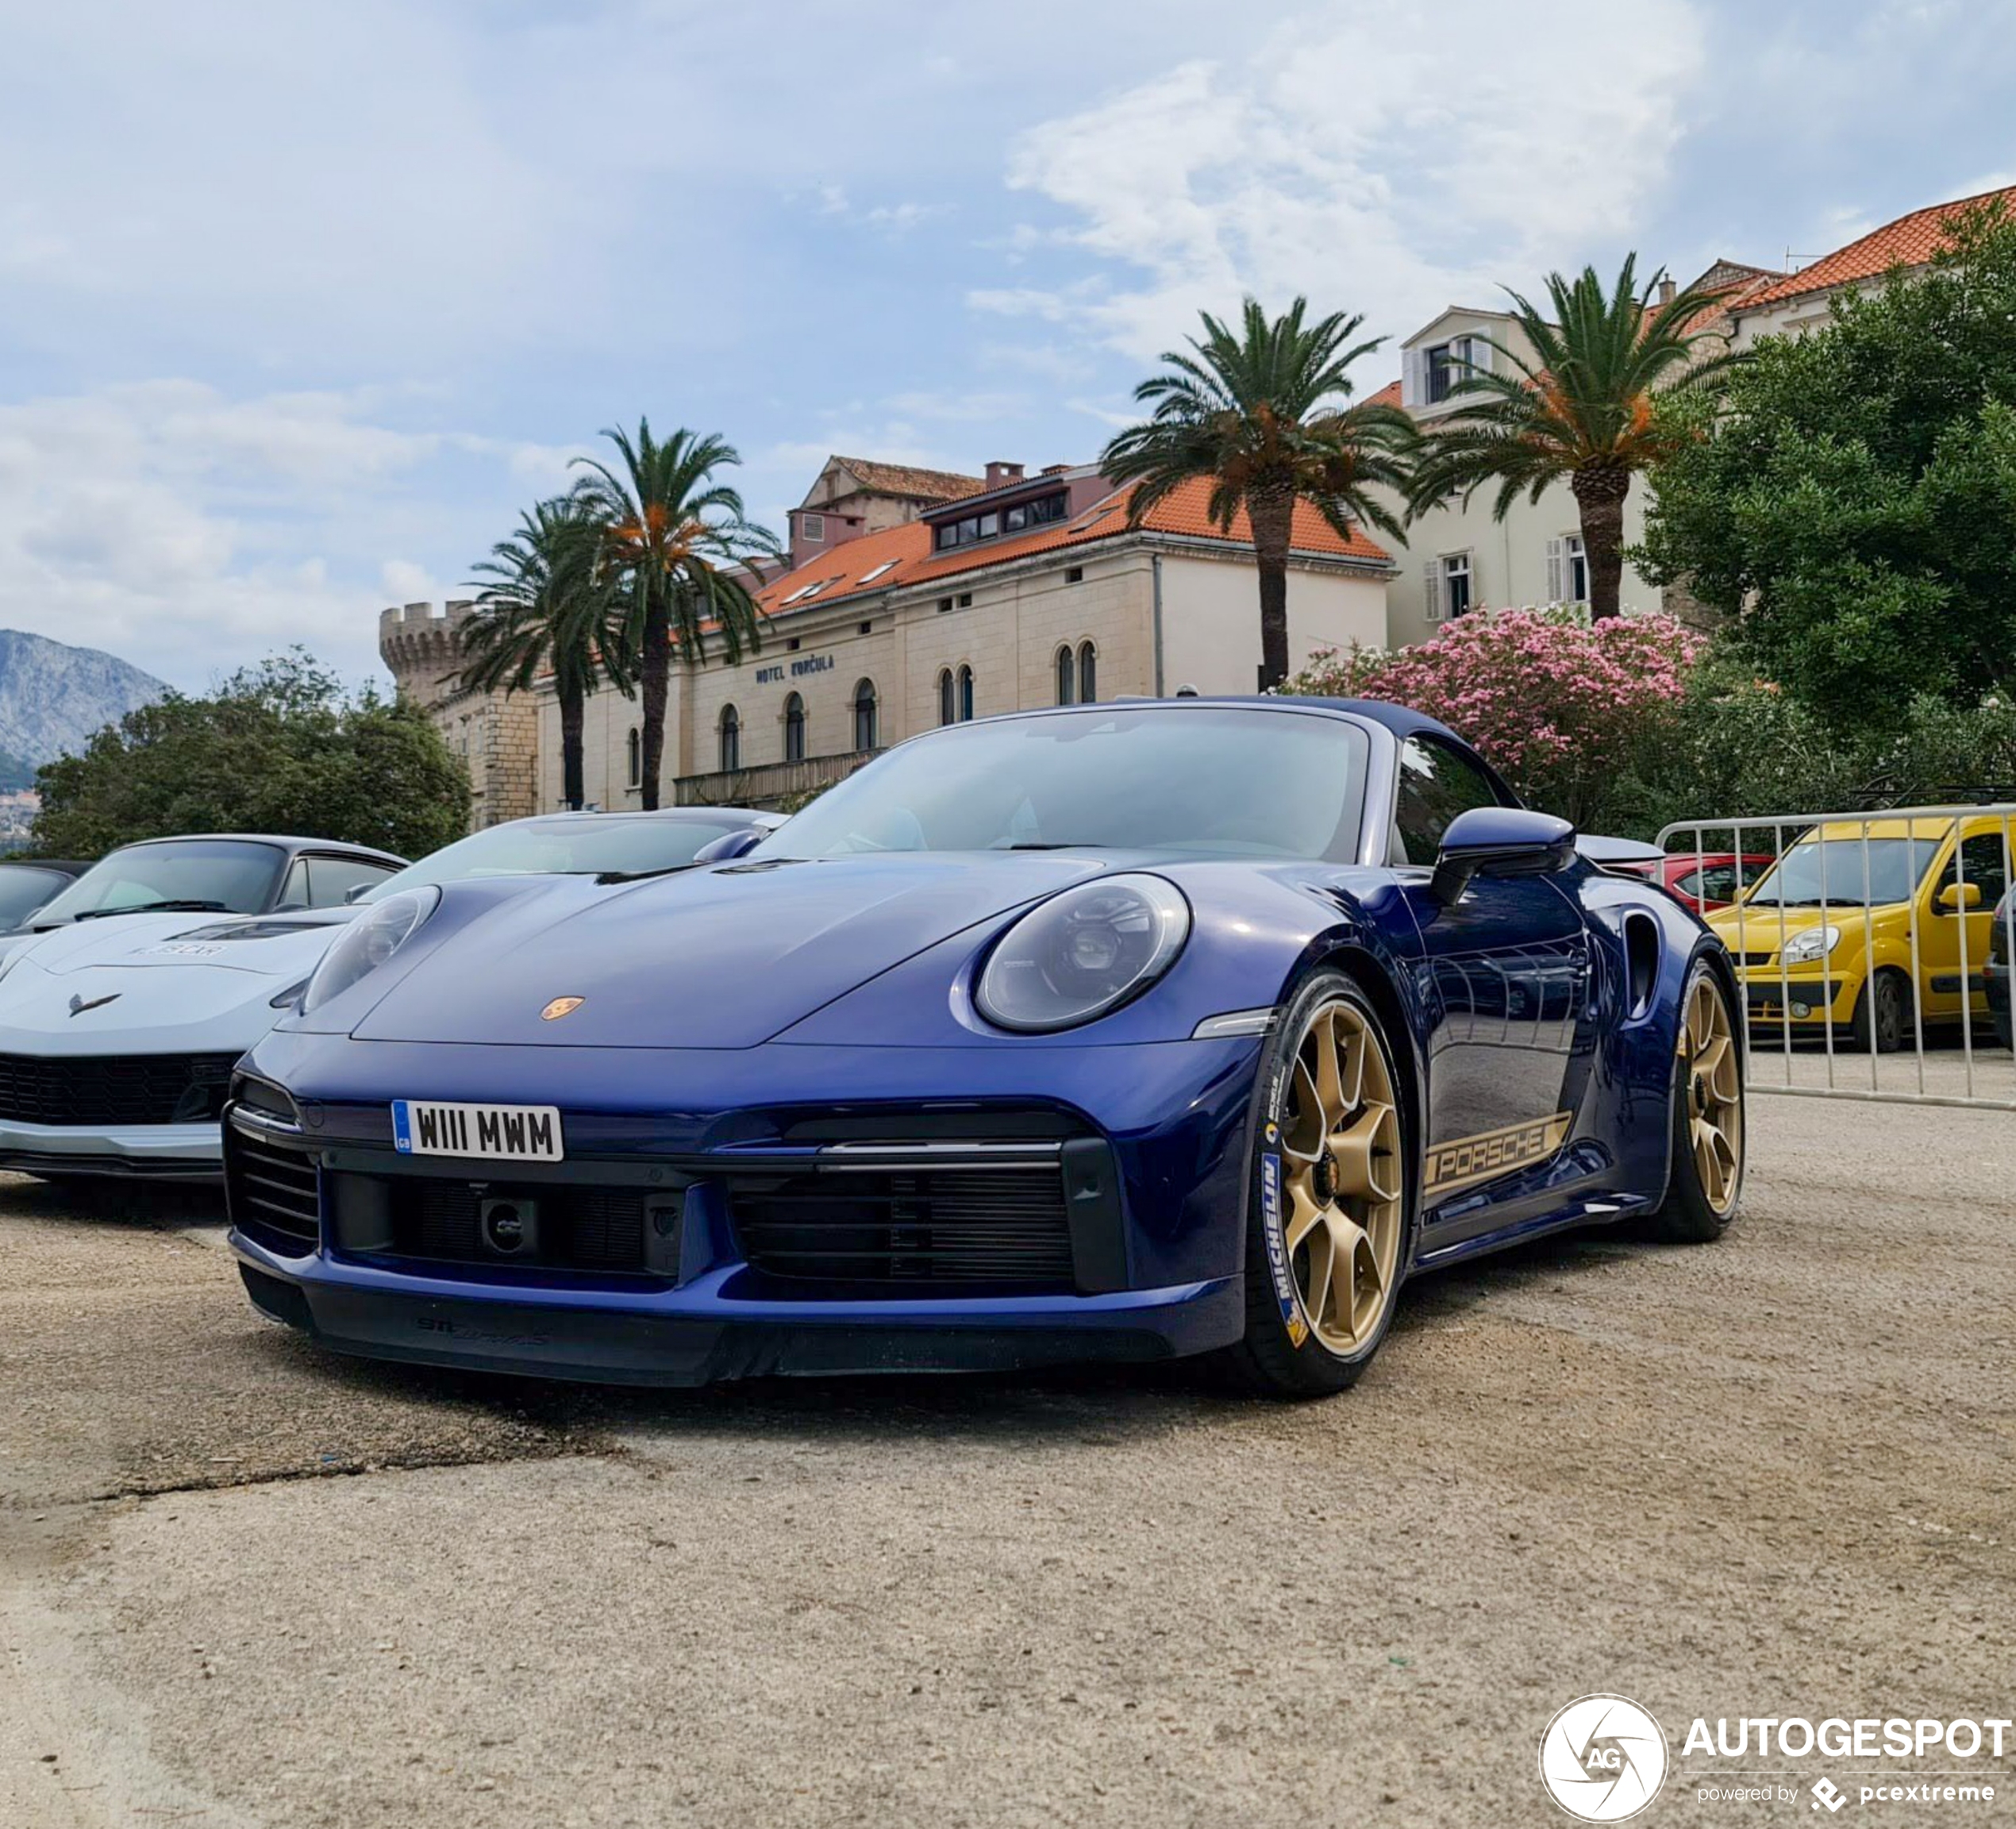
column 495, row 734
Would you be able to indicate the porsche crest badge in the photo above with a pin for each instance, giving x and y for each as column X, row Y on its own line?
column 560, row 1006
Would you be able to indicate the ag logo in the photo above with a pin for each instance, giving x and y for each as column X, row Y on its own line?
column 1602, row 1758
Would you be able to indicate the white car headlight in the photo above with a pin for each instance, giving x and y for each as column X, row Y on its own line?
column 1815, row 943
column 367, row 942
column 1083, row 953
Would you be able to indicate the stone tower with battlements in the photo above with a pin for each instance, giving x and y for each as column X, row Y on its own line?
column 495, row 734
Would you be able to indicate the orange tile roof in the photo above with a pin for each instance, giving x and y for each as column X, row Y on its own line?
column 1910, row 241
column 903, row 555
column 907, row 479
column 1389, row 396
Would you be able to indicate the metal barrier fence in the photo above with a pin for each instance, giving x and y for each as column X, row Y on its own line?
column 1926, row 935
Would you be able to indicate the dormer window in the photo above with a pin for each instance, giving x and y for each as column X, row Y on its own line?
column 971, row 528
column 1453, row 362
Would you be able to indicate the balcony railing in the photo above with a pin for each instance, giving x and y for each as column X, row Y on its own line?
column 768, row 784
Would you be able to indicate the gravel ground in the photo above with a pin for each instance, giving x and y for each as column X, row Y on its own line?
column 244, row 1585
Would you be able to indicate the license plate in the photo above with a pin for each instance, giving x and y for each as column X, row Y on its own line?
column 491, row 1133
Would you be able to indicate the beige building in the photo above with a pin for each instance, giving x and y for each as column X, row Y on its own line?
column 1461, row 556
column 1014, row 590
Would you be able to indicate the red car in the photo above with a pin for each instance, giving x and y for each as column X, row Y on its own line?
column 1705, row 880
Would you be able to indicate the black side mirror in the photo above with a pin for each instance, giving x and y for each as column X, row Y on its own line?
column 1499, row 841
column 729, row 846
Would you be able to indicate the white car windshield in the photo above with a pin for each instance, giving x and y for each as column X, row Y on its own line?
column 1202, row 780
column 225, row 876
column 574, row 845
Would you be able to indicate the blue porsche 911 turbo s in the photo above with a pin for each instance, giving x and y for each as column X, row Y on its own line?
column 1118, row 1031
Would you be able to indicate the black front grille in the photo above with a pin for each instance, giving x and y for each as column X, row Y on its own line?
column 620, row 1230
column 108, row 1089
column 272, row 1192
column 997, row 1228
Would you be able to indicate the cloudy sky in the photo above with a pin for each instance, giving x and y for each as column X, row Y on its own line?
column 299, row 302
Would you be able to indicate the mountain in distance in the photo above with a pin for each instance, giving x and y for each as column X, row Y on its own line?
column 53, row 697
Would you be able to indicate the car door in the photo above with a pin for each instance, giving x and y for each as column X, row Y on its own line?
column 1506, row 981
column 1953, row 944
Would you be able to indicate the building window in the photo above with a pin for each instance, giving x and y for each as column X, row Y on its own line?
column 731, row 739
column 944, row 603
column 1578, row 558
column 867, row 628
column 1088, row 673
column 966, row 695
column 966, row 599
column 1456, row 584
column 1074, row 574
column 1067, row 676
column 947, row 701
column 634, row 744
column 1451, row 363
column 790, row 647
column 813, row 527
column 864, row 717
column 795, row 729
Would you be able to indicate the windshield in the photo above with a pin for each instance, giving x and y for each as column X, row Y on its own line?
column 1256, row 784
column 229, row 875
column 1895, row 867
column 573, row 846
column 24, row 889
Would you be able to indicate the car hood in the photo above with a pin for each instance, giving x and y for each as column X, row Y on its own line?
column 725, row 957
column 1761, row 930
column 268, row 945
column 158, row 981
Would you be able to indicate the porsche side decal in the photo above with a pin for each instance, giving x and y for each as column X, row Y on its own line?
column 1464, row 1160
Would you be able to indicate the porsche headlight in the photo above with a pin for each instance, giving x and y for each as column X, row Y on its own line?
column 367, row 943
column 1815, row 943
column 1083, row 953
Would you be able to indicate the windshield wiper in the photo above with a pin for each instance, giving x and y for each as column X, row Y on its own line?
column 632, row 875
column 178, row 907
column 1067, row 844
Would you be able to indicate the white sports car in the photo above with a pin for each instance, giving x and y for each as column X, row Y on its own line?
column 117, row 1037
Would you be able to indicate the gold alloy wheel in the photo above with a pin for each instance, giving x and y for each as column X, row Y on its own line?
column 1340, row 1142
column 1714, row 1094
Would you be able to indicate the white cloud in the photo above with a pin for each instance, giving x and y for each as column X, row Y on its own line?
column 188, row 531
column 1376, row 165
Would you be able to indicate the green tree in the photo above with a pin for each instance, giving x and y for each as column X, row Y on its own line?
column 1852, row 507
column 684, row 553
column 1592, row 406
column 1265, row 414
column 278, row 748
column 550, row 604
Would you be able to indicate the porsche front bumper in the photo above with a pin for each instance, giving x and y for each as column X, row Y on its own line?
column 672, row 1250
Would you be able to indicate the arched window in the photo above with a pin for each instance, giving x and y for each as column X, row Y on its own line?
column 864, row 717
column 1067, row 676
column 1088, row 673
column 731, row 739
column 948, row 704
column 965, row 695
column 795, row 729
column 634, row 743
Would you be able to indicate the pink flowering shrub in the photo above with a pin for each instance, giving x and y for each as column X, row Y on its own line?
column 1563, row 707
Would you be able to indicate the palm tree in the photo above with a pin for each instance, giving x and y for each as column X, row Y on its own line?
column 685, row 554
column 1265, row 414
column 550, row 602
column 1585, row 408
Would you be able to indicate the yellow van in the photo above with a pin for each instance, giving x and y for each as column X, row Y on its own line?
column 1826, row 933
